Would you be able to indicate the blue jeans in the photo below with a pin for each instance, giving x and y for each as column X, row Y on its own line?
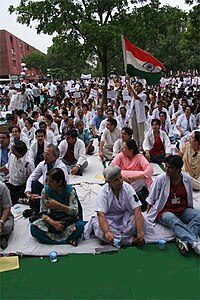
column 185, row 226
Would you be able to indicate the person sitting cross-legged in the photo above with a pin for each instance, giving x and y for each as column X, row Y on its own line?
column 19, row 168
column 38, row 178
column 86, row 136
column 118, row 212
column 72, row 151
column 60, row 219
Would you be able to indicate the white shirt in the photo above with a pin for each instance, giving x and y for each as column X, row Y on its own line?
column 19, row 169
column 137, row 106
column 110, row 137
column 41, row 170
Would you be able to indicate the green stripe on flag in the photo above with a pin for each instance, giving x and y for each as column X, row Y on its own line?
column 151, row 78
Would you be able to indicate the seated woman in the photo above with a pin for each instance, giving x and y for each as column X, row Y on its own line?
column 126, row 134
column 118, row 212
column 156, row 144
column 136, row 169
column 61, row 212
column 190, row 152
column 171, row 203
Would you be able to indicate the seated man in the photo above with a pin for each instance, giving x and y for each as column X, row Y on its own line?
column 110, row 135
column 6, row 217
column 50, row 137
column 72, row 151
column 17, row 136
column 19, row 168
column 86, row 136
column 118, row 212
column 38, row 147
column 4, row 150
column 34, row 186
column 171, row 203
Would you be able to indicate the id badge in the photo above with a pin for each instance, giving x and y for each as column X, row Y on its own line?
column 176, row 200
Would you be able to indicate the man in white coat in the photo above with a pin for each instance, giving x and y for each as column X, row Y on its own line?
column 38, row 178
column 137, row 113
column 72, row 151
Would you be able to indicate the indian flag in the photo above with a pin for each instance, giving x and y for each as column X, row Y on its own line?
column 140, row 63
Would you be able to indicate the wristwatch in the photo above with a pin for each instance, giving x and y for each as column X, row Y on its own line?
column 1, row 221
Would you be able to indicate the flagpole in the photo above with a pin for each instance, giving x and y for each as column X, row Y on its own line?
column 124, row 54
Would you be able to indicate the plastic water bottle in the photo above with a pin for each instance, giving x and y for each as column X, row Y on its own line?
column 162, row 244
column 53, row 256
column 116, row 242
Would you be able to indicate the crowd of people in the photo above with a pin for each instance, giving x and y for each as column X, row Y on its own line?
column 47, row 132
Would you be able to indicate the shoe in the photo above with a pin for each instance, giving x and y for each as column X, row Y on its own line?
column 33, row 218
column 196, row 247
column 27, row 213
column 182, row 247
column 3, row 243
column 73, row 242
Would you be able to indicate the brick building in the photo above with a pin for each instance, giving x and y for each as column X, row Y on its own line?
column 12, row 51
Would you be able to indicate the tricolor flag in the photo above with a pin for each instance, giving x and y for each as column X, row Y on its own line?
column 140, row 63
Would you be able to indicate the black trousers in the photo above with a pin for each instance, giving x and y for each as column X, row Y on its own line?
column 36, row 188
column 16, row 192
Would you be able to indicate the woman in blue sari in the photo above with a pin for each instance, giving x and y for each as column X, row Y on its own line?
column 60, row 212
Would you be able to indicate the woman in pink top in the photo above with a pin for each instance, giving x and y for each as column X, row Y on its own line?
column 136, row 169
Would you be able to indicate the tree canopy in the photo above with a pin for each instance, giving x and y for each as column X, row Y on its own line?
column 89, row 31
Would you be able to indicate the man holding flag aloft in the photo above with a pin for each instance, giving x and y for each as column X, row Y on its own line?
column 137, row 113
column 139, row 63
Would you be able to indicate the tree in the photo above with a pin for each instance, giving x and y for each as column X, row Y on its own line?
column 69, row 56
column 36, row 60
column 96, row 24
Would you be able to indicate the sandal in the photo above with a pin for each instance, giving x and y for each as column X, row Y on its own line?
column 73, row 242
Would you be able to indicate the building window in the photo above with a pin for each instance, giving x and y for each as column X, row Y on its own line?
column 13, row 51
column 14, row 63
column 11, row 39
column 27, row 46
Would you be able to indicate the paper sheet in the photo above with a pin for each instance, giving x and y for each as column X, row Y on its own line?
column 8, row 263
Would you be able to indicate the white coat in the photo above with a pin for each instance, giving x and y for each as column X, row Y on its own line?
column 41, row 170
column 159, row 193
column 150, row 140
column 182, row 121
column 79, row 151
column 138, row 107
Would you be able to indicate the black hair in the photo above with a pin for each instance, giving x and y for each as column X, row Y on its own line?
column 197, row 136
column 128, row 130
column 72, row 132
column 18, row 128
column 157, row 121
column 6, row 133
column 40, row 131
column 49, row 117
column 164, row 113
column 42, row 123
column 174, row 160
column 112, row 121
column 131, row 144
column 30, row 121
column 20, row 147
column 58, row 175
column 140, row 83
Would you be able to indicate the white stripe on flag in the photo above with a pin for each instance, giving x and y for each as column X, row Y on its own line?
column 141, row 65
